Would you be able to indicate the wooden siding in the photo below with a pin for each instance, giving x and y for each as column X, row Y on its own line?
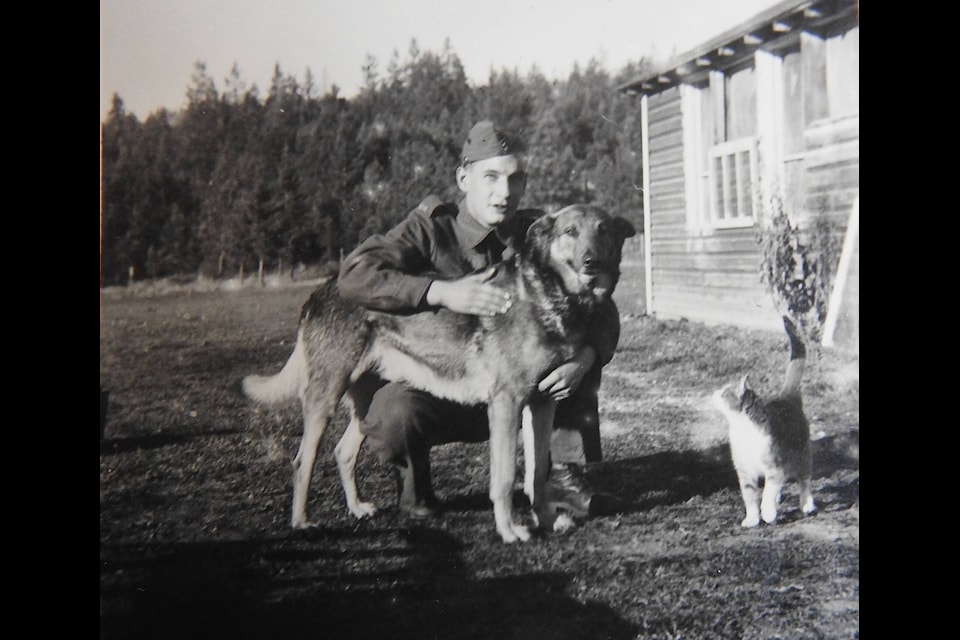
column 712, row 278
column 810, row 157
column 824, row 179
column 825, row 182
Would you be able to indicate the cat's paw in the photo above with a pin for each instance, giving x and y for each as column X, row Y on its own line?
column 563, row 523
column 750, row 521
column 809, row 507
column 769, row 504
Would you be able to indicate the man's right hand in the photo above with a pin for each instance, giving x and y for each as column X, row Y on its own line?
column 473, row 295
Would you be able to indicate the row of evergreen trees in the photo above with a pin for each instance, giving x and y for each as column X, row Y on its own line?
column 233, row 181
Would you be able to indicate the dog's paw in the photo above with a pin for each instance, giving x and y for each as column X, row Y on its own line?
column 303, row 525
column 515, row 533
column 361, row 510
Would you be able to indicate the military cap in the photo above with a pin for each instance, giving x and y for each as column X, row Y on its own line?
column 486, row 140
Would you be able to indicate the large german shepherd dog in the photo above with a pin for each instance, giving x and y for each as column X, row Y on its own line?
column 568, row 264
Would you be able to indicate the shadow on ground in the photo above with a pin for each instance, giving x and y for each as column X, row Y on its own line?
column 673, row 477
column 400, row 583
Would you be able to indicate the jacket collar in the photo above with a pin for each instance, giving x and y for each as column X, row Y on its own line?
column 474, row 233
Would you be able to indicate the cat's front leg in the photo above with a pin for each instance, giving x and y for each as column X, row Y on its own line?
column 753, row 517
column 750, row 493
column 807, row 505
column 771, row 500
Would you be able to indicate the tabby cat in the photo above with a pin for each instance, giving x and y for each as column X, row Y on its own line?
column 769, row 440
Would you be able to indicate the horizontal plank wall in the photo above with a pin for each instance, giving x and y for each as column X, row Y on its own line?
column 712, row 278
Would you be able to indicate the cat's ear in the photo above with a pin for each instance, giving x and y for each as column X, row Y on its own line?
column 744, row 386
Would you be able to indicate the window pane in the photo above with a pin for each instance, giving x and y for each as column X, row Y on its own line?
column 792, row 104
column 741, row 109
column 732, row 181
column 843, row 73
column 729, row 186
column 718, row 192
column 814, row 55
column 745, row 207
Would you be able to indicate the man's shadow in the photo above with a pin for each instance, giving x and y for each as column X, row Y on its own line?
column 329, row 583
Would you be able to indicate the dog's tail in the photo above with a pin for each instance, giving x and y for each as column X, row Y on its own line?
column 283, row 386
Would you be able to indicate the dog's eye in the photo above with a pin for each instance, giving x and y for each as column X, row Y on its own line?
column 571, row 231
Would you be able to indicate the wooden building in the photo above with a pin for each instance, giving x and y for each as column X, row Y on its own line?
column 761, row 119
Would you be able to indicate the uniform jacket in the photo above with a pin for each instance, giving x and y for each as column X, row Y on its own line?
column 392, row 271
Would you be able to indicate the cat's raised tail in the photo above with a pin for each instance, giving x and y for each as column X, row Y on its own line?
column 798, row 357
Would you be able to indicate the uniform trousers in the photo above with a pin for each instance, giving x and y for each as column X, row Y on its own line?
column 403, row 423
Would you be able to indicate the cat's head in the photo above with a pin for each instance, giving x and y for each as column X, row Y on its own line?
column 739, row 397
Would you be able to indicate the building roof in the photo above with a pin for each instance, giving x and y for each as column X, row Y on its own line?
column 777, row 28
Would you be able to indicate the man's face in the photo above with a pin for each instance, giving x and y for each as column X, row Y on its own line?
column 493, row 188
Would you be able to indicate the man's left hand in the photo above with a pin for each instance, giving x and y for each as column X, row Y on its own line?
column 564, row 380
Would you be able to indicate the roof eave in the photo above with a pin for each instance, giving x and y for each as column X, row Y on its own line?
column 776, row 28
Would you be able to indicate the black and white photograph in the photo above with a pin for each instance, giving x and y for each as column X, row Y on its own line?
column 486, row 321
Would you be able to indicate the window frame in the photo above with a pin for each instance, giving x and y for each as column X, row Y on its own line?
column 711, row 204
column 743, row 198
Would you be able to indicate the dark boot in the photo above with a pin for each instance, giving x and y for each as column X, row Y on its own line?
column 567, row 489
column 411, row 498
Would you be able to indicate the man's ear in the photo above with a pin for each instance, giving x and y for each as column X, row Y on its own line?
column 462, row 178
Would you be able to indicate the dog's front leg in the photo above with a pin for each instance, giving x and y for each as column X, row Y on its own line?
column 503, row 411
column 538, row 429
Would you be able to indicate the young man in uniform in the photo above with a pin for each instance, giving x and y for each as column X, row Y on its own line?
column 442, row 255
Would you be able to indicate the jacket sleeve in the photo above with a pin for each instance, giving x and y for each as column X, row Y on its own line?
column 389, row 272
column 604, row 332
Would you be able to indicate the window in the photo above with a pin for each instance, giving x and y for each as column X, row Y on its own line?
column 733, row 172
column 726, row 162
column 751, row 129
column 821, row 85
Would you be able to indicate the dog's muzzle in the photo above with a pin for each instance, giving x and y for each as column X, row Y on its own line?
column 599, row 280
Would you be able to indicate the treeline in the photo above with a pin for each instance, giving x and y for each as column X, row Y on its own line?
column 234, row 181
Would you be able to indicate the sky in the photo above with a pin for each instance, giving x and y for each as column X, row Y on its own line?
column 148, row 50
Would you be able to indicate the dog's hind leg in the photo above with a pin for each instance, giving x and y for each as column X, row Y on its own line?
column 347, row 452
column 358, row 398
column 316, row 416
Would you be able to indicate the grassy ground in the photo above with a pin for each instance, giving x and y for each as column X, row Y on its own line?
column 195, row 494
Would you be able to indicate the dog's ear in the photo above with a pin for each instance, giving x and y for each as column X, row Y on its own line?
column 538, row 235
column 623, row 227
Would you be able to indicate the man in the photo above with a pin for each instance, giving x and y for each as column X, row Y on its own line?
column 442, row 255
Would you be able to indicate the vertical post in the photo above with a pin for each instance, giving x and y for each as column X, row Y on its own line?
column 647, row 236
column 843, row 271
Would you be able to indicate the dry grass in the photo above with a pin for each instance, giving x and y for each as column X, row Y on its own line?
column 195, row 493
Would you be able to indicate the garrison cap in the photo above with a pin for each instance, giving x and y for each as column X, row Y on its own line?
column 487, row 140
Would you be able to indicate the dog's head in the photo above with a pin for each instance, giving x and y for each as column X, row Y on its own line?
column 582, row 244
